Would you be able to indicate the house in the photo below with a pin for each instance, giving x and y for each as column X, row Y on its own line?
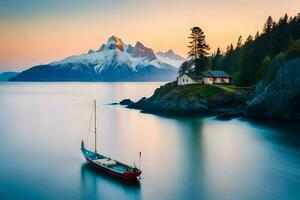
column 205, row 77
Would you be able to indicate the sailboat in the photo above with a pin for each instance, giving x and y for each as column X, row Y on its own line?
column 106, row 164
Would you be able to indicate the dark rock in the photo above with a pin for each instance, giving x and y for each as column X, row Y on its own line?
column 280, row 99
column 126, row 102
column 171, row 99
column 221, row 100
column 230, row 113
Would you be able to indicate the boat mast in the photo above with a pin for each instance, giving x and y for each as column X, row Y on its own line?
column 95, row 126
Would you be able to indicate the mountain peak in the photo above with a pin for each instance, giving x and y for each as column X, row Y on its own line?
column 139, row 45
column 112, row 38
column 113, row 42
column 170, row 51
column 91, row 51
column 170, row 54
column 113, row 61
column 139, row 50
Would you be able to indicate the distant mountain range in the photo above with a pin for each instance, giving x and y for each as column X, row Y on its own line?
column 5, row 76
column 170, row 57
column 113, row 61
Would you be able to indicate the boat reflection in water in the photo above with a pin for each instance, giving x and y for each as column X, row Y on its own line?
column 96, row 184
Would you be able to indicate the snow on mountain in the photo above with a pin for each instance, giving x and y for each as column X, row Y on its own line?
column 115, row 53
column 139, row 50
column 170, row 54
column 113, row 61
column 170, row 57
column 175, row 63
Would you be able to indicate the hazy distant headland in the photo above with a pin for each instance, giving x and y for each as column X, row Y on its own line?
column 5, row 76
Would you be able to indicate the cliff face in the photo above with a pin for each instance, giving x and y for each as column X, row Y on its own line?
column 278, row 98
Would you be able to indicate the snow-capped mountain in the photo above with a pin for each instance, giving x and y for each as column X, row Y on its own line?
column 170, row 57
column 113, row 61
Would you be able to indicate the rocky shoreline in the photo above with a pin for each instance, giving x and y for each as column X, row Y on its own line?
column 275, row 97
column 159, row 108
column 172, row 100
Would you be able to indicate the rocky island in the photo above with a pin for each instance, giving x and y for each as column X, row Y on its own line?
column 173, row 99
column 258, row 79
column 275, row 97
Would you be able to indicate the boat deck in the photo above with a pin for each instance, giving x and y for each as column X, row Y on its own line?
column 117, row 166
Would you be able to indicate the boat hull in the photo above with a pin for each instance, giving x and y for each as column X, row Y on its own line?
column 123, row 175
column 131, row 176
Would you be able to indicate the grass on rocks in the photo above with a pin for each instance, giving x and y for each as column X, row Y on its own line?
column 171, row 91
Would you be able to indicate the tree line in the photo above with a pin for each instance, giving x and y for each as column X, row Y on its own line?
column 246, row 61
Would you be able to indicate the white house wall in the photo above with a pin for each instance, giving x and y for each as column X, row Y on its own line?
column 222, row 80
column 226, row 80
column 217, row 80
column 185, row 80
column 207, row 80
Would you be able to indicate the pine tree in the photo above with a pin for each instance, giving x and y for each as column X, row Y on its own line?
column 227, row 49
column 274, row 25
column 239, row 42
column 256, row 35
column 249, row 63
column 185, row 67
column 218, row 52
column 269, row 25
column 283, row 34
column 263, row 68
column 227, row 61
column 248, row 66
column 216, row 60
column 198, row 49
column 286, row 18
column 249, row 39
column 231, row 48
column 198, row 46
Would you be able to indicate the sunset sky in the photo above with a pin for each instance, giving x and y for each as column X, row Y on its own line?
column 36, row 32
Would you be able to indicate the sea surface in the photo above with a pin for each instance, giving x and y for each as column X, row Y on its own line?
column 42, row 125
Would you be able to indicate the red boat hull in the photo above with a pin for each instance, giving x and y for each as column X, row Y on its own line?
column 126, row 176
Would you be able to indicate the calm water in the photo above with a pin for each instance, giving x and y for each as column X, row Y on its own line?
column 42, row 125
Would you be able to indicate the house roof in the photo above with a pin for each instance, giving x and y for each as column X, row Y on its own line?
column 219, row 74
column 193, row 75
column 208, row 74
